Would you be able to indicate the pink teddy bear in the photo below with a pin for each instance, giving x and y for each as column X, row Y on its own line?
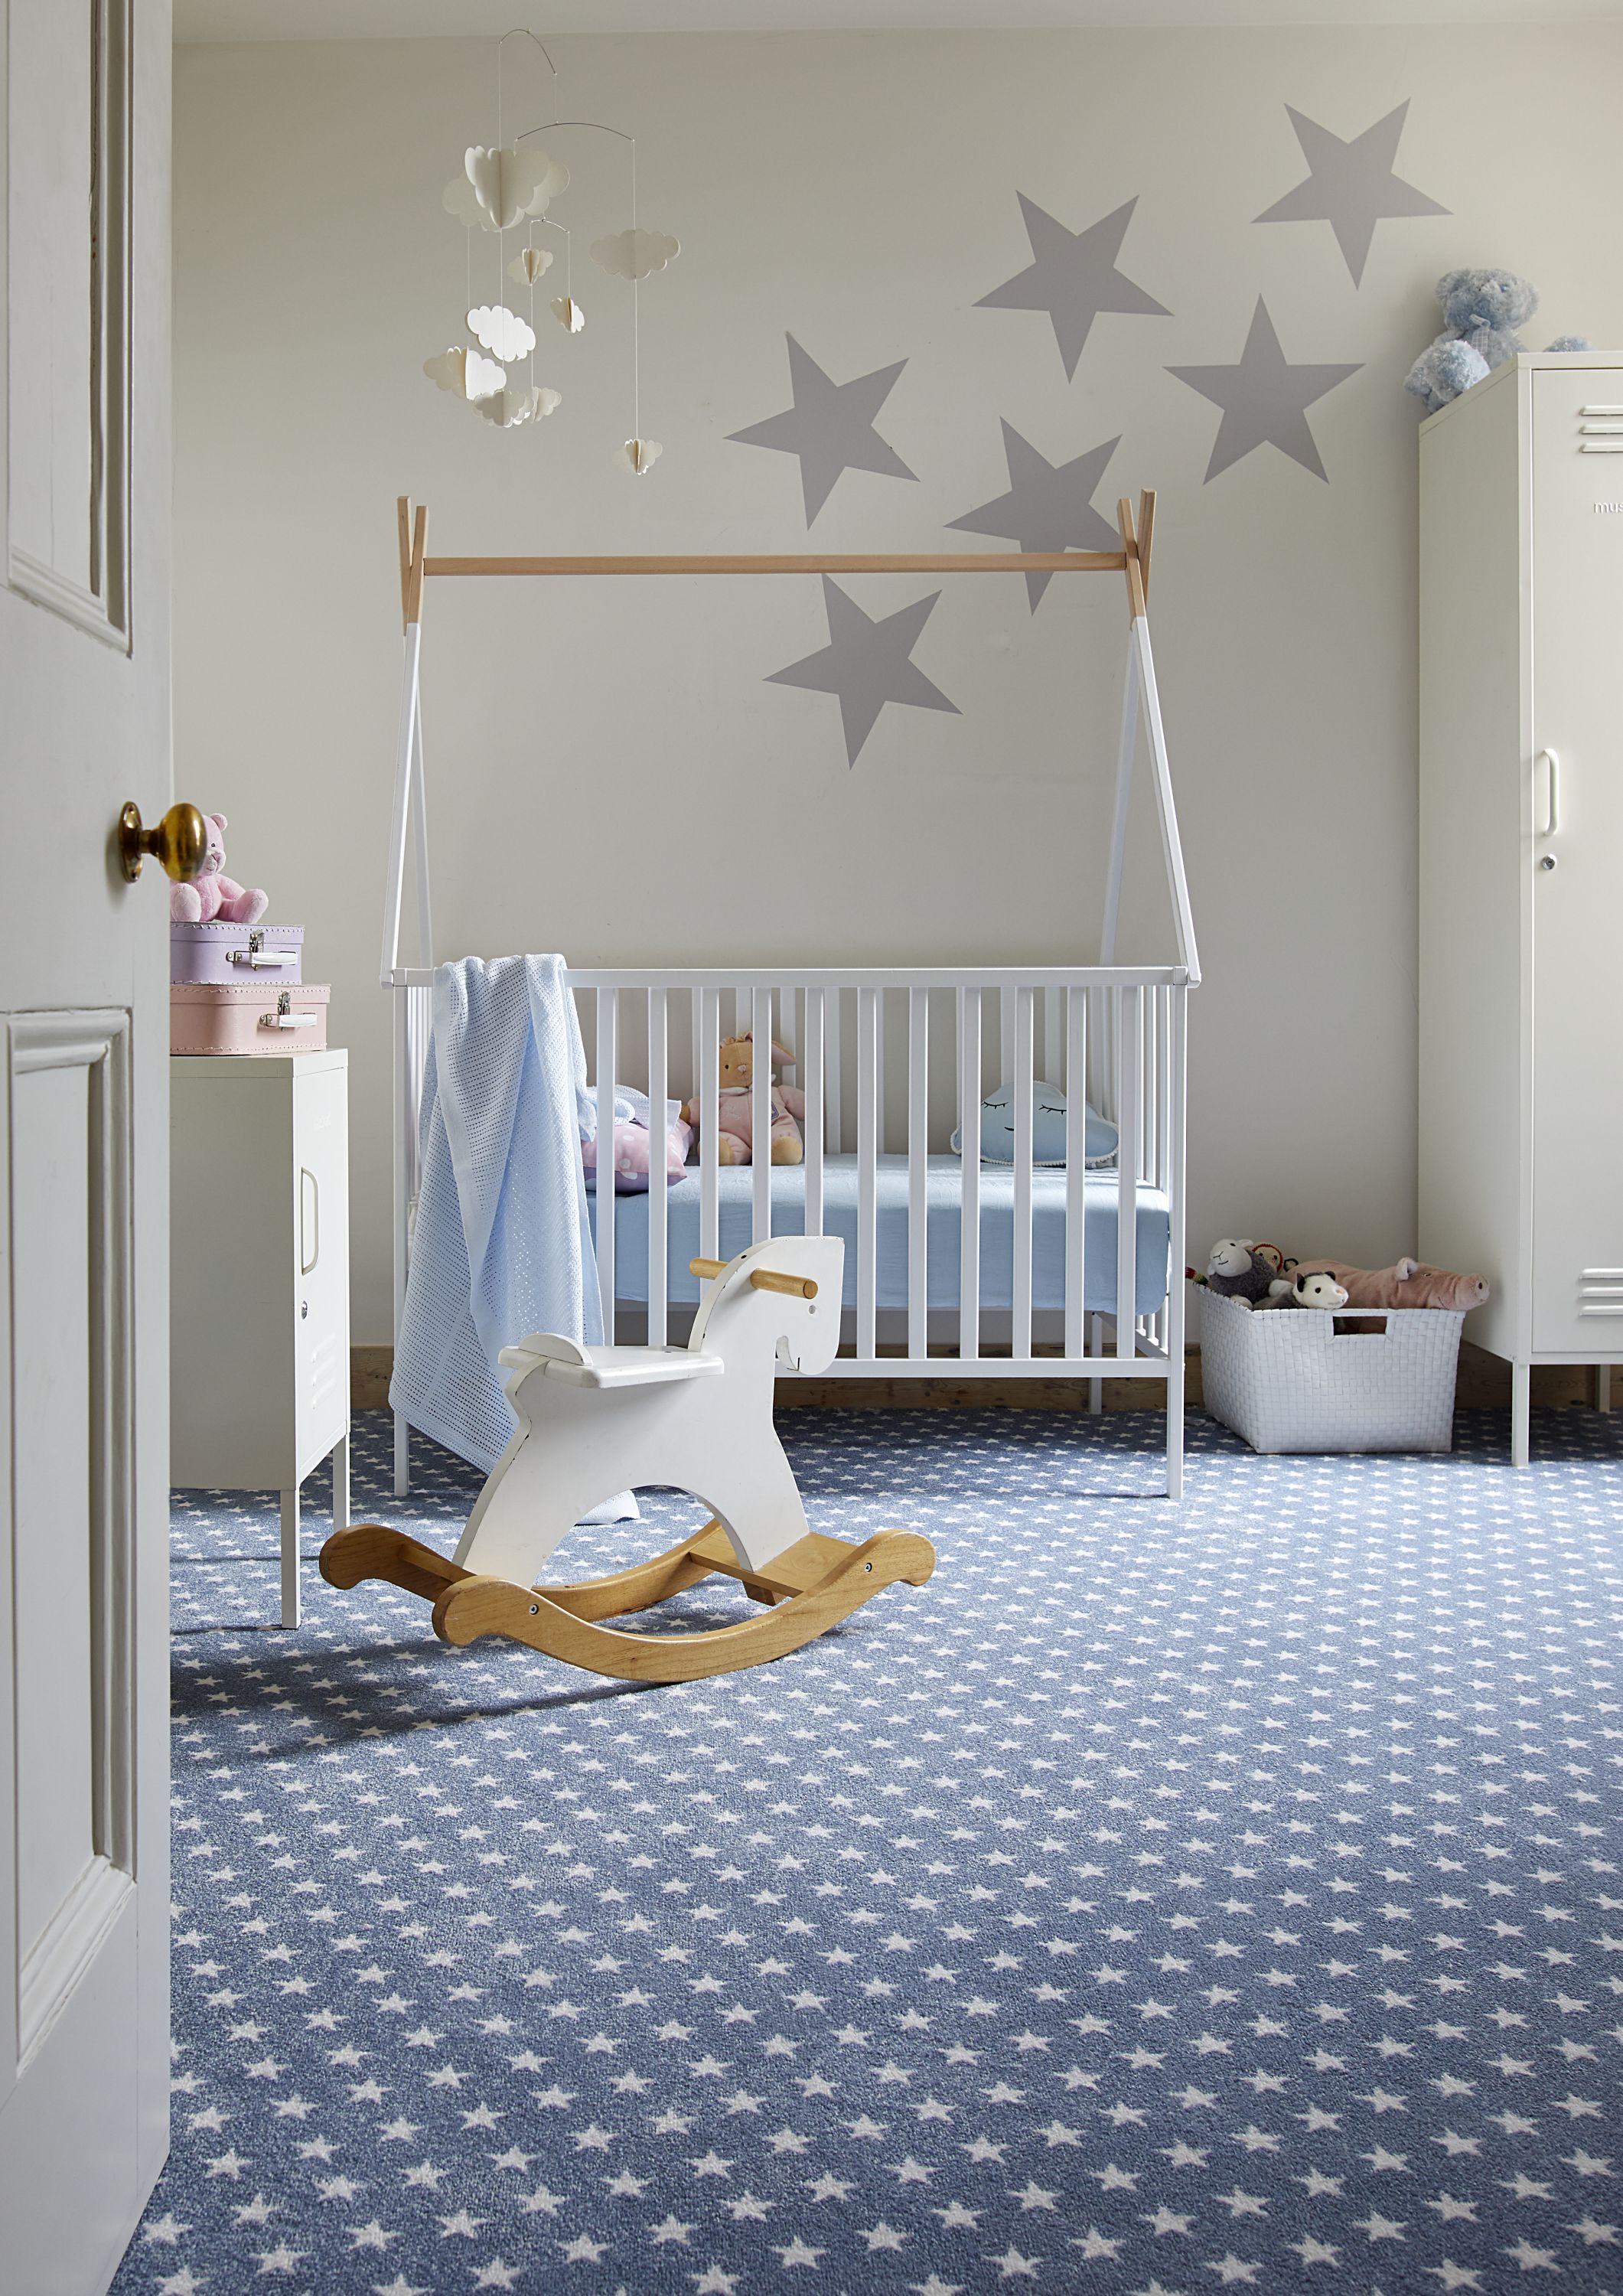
column 735, row 1107
column 210, row 895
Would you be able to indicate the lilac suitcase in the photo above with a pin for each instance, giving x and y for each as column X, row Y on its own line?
column 222, row 952
column 248, row 1017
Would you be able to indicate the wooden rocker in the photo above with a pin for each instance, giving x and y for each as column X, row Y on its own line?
column 597, row 1419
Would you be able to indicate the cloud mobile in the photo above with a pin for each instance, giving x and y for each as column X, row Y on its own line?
column 506, row 186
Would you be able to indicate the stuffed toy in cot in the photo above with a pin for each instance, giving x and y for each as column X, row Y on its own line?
column 633, row 1143
column 1407, row 1283
column 1049, row 1126
column 735, row 1107
column 212, row 895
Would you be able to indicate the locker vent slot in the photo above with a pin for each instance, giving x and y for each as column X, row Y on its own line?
column 1600, row 430
column 1600, row 1292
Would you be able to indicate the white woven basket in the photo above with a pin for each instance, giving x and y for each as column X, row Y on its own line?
column 1296, row 1379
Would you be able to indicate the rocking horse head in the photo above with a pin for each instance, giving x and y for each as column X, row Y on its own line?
column 775, row 1306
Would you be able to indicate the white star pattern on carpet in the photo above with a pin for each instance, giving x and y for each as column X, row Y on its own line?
column 1164, row 1898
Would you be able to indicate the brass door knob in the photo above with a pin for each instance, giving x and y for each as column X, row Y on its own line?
column 179, row 842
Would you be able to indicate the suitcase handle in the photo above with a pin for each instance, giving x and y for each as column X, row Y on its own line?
column 313, row 1223
column 284, row 1016
column 260, row 957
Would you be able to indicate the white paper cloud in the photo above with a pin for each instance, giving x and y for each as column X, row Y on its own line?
column 459, row 198
column 502, row 332
column 639, row 454
column 634, row 254
column 520, row 403
column 513, row 180
column 528, row 264
column 464, row 372
column 568, row 314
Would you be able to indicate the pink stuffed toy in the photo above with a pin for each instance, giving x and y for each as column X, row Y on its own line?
column 735, row 1108
column 1409, row 1284
column 210, row 895
column 633, row 1146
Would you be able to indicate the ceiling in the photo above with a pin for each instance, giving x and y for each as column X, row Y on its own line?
column 379, row 19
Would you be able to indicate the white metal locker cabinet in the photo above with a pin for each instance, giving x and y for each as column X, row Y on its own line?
column 1522, row 857
column 1576, row 606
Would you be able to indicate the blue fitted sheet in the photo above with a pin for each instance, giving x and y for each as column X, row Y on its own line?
column 839, row 1219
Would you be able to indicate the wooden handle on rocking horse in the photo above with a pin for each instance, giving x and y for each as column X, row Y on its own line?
column 765, row 1279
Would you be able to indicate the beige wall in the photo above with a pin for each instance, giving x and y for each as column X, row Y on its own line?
column 609, row 773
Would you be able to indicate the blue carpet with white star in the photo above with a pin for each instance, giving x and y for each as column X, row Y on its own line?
column 1165, row 1899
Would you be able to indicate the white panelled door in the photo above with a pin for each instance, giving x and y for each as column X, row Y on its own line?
column 1575, row 857
column 84, row 1341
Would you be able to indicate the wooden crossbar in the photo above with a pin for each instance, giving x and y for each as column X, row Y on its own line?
column 979, row 562
column 1131, row 559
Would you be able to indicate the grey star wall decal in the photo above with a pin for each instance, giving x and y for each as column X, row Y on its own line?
column 867, row 663
column 1072, row 275
column 830, row 427
column 1049, row 506
column 1351, row 186
column 1264, row 399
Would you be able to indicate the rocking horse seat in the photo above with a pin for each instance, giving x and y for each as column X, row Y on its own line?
column 608, row 1367
column 774, row 1308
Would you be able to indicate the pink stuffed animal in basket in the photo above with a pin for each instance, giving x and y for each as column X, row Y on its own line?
column 210, row 895
column 1407, row 1283
column 735, row 1107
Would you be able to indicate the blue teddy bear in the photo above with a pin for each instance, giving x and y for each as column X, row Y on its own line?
column 1481, row 312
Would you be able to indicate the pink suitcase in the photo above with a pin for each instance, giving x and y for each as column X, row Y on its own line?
column 248, row 1017
column 222, row 952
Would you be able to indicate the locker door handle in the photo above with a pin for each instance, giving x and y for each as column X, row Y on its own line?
column 1552, row 813
column 309, row 1219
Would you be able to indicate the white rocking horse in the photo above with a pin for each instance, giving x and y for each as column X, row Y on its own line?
column 594, row 1420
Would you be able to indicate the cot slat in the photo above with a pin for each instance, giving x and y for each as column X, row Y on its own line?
column 1130, row 1057
column 969, row 1173
column 788, row 1035
column 1076, row 1170
column 867, row 1158
column 879, row 1063
column 710, row 1069
column 834, row 1065
column 810, row 1049
column 608, row 1054
column 1163, row 998
column 1024, row 1046
column 918, row 1149
column 659, row 1280
column 1052, row 1028
column 760, row 1117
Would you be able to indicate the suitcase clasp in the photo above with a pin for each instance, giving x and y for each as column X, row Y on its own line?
column 284, row 1016
column 256, row 955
